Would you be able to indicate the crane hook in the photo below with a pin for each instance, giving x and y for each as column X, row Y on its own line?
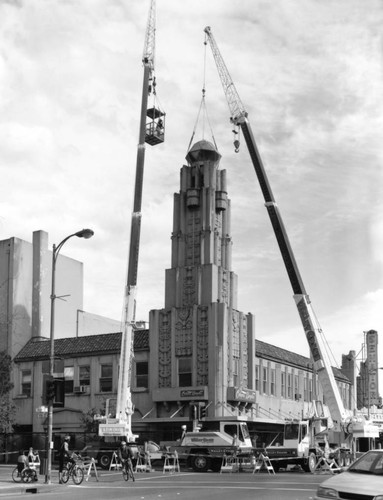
column 236, row 146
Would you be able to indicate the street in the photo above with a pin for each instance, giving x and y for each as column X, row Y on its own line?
column 184, row 485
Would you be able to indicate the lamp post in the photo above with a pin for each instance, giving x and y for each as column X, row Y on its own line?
column 84, row 233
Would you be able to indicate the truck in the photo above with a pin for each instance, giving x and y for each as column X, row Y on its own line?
column 207, row 444
column 302, row 443
column 340, row 422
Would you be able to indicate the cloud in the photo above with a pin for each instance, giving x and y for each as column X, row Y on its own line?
column 309, row 75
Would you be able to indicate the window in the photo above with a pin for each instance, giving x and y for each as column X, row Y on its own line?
column 283, row 384
column 306, row 394
column 264, row 381
column 185, row 372
column 310, row 389
column 272, row 382
column 68, row 378
column 84, row 375
column 26, row 382
column 256, row 377
column 142, row 368
column 296, row 388
column 235, row 371
column 106, row 378
column 289, row 385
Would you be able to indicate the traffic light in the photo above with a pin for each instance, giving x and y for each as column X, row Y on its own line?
column 59, row 400
column 193, row 411
column 54, row 391
column 203, row 411
column 49, row 389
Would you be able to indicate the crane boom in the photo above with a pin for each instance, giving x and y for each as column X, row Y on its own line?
column 313, row 332
column 124, row 406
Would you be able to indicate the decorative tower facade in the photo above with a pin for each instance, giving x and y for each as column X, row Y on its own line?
column 202, row 349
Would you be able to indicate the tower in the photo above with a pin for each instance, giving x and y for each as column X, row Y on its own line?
column 202, row 349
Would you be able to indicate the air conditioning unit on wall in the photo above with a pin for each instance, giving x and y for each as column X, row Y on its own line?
column 79, row 389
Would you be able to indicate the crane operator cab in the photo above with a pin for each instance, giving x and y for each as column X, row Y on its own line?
column 155, row 126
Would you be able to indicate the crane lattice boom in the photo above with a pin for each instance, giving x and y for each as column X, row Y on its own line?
column 150, row 39
column 310, row 324
column 237, row 110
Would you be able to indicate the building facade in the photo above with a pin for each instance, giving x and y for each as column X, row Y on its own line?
column 200, row 351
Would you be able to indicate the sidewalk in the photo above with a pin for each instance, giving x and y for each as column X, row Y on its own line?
column 9, row 487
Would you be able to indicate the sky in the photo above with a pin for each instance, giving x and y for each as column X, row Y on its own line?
column 310, row 76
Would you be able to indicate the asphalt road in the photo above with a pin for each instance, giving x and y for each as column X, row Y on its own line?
column 179, row 486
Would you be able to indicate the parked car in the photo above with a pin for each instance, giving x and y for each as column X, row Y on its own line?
column 363, row 479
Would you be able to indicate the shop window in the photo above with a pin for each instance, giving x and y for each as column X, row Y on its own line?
column 106, row 378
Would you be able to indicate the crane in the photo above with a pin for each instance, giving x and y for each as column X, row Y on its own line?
column 151, row 131
column 321, row 359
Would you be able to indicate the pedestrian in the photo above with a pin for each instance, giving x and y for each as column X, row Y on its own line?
column 22, row 462
column 148, row 462
column 32, row 456
column 64, row 456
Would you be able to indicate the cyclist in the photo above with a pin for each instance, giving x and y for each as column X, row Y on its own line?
column 64, row 457
column 125, row 456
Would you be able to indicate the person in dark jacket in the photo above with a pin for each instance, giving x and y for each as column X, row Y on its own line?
column 125, row 455
column 64, row 457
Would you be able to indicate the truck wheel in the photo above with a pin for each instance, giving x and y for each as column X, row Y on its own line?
column 200, row 463
column 310, row 465
column 104, row 461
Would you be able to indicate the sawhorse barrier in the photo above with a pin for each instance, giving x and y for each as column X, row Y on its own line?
column 171, row 463
column 90, row 467
column 115, row 462
column 262, row 461
column 142, row 465
column 229, row 464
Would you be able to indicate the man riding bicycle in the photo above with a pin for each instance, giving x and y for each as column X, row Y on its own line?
column 64, row 457
column 125, row 455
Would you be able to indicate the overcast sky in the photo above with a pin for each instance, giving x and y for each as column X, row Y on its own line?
column 309, row 73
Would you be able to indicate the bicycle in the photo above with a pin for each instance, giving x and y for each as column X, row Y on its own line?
column 127, row 470
column 27, row 475
column 73, row 470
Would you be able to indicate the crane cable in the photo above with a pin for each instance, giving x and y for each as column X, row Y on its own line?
column 203, row 108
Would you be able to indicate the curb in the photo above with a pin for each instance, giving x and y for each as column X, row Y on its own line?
column 17, row 489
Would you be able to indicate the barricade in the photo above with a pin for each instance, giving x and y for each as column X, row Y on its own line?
column 171, row 463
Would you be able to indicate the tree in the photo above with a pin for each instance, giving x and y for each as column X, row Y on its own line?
column 88, row 421
column 7, row 407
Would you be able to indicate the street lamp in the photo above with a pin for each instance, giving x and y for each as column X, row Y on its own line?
column 84, row 233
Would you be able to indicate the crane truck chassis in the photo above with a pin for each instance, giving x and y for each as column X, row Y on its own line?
column 205, row 449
